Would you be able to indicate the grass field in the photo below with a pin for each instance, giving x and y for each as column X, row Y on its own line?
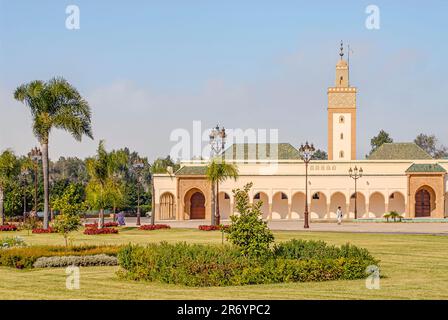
column 414, row 267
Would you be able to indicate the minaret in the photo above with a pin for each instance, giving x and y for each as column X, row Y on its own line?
column 342, row 114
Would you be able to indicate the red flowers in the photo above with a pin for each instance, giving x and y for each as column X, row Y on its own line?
column 106, row 225
column 8, row 227
column 93, row 231
column 212, row 228
column 42, row 230
column 154, row 227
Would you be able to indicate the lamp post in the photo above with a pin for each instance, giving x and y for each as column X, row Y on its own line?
column 355, row 174
column 217, row 144
column 306, row 153
column 36, row 156
column 24, row 174
column 138, row 166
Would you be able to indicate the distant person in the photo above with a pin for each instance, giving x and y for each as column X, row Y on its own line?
column 339, row 215
column 121, row 220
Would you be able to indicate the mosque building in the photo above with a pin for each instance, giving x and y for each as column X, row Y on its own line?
column 399, row 177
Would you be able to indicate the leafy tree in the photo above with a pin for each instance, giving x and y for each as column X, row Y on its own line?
column 66, row 223
column 54, row 104
column 218, row 171
column 379, row 140
column 429, row 144
column 9, row 171
column 247, row 230
column 320, row 155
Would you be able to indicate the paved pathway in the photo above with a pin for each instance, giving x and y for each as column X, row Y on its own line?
column 297, row 225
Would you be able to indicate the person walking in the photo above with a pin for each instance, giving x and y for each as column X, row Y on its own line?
column 339, row 215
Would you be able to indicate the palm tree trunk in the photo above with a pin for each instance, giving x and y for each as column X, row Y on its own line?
column 213, row 203
column 218, row 216
column 101, row 222
column 46, row 174
column 2, row 213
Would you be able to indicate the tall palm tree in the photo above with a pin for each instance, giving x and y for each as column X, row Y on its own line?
column 9, row 171
column 105, row 185
column 218, row 171
column 54, row 104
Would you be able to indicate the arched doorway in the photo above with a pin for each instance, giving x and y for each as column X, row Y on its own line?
column 167, row 207
column 423, row 203
column 261, row 196
column 280, row 206
column 318, row 206
column 377, row 205
column 197, row 206
column 224, row 206
column 298, row 205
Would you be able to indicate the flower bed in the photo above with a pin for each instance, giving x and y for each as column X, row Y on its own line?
column 106, row 225
column 42, row 230
column 212, row 228
column 8, row 227
column 154, row 227
column 93, row 231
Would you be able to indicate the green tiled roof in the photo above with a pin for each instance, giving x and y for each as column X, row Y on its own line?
column 261, row 151
column 426, row 168
column 399, row 151
column 191, row 170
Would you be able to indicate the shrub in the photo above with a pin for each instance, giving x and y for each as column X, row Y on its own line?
column 209, row 265
column 84, row 261
column 42, row 230
column 248, row 231
column 154, row 227
column 93, row 231
column 10, row 242
column 8, row 227
column 393, row 215
column 25, row 257
column 212, row 228
column 66, row 223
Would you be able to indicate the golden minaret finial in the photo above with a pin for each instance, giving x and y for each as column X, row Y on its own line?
column 342, row 50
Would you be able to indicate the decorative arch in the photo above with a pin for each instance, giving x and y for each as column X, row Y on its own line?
column 167, row 207
column 297, row 205
column 425, row 201
column 280, row 206
column 397, row 202
column 360, row 205
column 195, row 204
column 338, row 199
column 377, row 205
column 263, row 197
column 318, row 207
column 225, row 210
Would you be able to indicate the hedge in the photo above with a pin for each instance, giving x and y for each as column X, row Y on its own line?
column 25, row 257
column 212, row 265
column 84, row 261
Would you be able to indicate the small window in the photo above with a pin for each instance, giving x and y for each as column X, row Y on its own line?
column 316, row 196
column 341, row 154
column 257, row 196
column 341, row 79
column 342, row 136
column 341, row 119
column 284, row 196
column 226, row 196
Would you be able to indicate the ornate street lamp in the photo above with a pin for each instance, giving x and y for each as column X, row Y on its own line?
column 217, row 144
column 306, row 153
column 24, row 173
column 36, row 156
column 355, row 174
column 217, row 140
column 138, row 166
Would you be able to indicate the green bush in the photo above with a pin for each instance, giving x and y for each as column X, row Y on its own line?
column 209, row 265
column 248, row 231
column 9, row 242
column 84, row 261
column 25, row 257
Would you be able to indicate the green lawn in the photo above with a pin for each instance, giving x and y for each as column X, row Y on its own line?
column 414, row 266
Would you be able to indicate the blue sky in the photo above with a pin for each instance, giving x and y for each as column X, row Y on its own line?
column 149, row 67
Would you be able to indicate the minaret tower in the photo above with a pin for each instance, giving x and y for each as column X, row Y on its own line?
column 342, row 115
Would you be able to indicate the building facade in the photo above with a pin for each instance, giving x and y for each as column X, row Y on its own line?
column 397, row 177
